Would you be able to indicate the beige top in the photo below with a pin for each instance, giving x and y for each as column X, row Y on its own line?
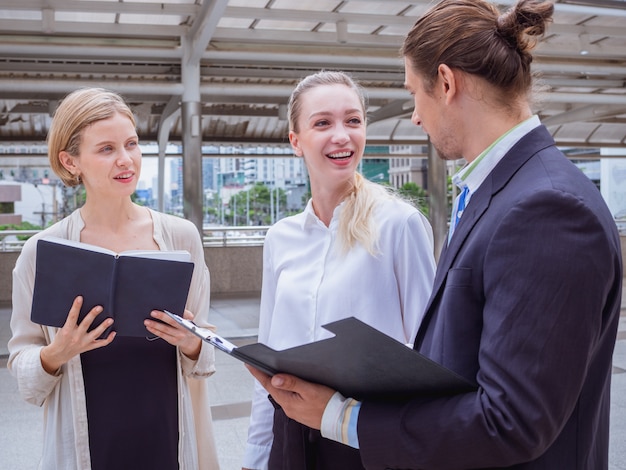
column 66, row 443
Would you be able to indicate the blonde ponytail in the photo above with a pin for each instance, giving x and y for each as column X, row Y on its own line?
column 356, row 222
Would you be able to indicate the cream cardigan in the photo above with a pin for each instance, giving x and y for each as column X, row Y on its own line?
column 66, row 443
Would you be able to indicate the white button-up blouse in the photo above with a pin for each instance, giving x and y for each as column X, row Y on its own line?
column 308, row 282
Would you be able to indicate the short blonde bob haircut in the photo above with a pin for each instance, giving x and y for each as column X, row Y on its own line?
column 77, row 111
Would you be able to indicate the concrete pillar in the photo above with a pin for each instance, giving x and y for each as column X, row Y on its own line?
column 438, row 200
column 192, row 163
column 191, row 118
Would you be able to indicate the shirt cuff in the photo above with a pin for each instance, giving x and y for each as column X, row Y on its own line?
column 256, row 456
column 202, row 367
column 339, row 421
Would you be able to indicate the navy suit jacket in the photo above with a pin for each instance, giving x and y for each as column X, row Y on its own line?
column 526, row 303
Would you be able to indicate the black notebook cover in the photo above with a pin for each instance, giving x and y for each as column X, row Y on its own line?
column 128, row 286
column 359, row 361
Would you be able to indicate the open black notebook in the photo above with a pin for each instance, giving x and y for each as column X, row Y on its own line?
column 359, row 361
column 128, row 285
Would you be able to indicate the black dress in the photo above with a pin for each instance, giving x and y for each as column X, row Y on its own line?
column 132, row 404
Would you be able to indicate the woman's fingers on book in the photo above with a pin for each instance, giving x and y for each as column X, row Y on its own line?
column 162, row 317
column 91, row 316
column 86, row 323
column 75, row 338
column 174, row 333
column 72, row 316
column 160, row 324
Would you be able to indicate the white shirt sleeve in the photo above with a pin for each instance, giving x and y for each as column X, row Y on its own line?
column 260, row 435
column 414, row 265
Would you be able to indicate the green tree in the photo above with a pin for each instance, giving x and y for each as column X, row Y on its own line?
column 212, row 208
column 257, row 199
column 416, row 195
column 23, row 226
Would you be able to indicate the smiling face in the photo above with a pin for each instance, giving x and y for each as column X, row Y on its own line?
column 109, row 160
column 331, row 134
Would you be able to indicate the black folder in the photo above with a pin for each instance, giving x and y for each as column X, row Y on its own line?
column 127, row 285
column 359, row 362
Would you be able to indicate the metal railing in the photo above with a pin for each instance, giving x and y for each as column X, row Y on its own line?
column 621, row 225
column 13, row 240
column 229, row 236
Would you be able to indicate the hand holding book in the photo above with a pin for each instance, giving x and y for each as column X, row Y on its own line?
column 204, row 333
column 75, row 339
column 127, row 285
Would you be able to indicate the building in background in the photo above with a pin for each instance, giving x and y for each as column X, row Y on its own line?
column 10, row 193
column 408, row 164
column 230, row 172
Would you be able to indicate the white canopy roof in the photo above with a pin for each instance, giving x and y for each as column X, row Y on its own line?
column 251, row 53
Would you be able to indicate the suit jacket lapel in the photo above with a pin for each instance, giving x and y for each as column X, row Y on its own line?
column 477, row 206
column 537, row 139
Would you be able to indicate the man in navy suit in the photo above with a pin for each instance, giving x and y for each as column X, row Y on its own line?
column 527, row 294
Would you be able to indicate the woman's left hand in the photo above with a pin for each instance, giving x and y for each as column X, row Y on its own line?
column 174, row 333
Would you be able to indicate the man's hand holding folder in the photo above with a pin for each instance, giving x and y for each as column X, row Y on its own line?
column 374, row 366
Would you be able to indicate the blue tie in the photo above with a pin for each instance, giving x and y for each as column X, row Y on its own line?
column 460, row 207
